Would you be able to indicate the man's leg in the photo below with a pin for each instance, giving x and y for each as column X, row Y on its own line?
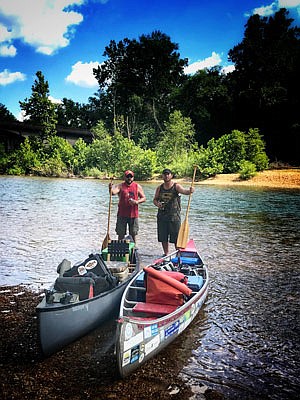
column 121, row 227
column 162, row 234
column 133, row 224
column 174, row 227
column 165, row 246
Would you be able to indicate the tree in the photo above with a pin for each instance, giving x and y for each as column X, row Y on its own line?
column 39, row 110
column 6, row 115
column 266, row 82
column 69, row 113
column 255, row 149
column 138, row 77
column 176, row 142
column 205, row 98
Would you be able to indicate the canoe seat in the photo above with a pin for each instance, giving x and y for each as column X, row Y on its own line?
column 118, row 249
column 153, row 308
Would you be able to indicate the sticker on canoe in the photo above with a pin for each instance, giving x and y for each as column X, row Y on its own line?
column 126, row 358
column 128, row 331
column 142, row 356
column 135, row 354
column 91, row 264
column 150, row 331
column 152, row 345
column 82, row 270
column 135, row 340
column 172, row 329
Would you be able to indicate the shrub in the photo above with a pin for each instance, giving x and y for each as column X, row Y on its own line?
column 93, row 172
column 247, row 170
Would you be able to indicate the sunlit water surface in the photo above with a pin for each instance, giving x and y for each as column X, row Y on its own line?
column 245, row 343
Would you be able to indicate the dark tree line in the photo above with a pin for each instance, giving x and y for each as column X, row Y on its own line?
column 143, row 81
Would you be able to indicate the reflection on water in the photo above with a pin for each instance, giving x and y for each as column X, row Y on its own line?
column 246, row 340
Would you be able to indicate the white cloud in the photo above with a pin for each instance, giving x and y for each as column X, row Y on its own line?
column 45, row 25
column 266, row 11
column 228, row 69
column 289, row 3
column 82, row 74
column 270, row 9
column 208, row 62
column 7, row 77
column 54, row 101
column 8, row 50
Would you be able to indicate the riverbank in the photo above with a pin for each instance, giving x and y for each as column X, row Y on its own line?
column 275, row 178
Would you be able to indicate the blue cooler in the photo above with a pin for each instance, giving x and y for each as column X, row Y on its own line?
column 195, row 282
column 139, row 282
column 186, row 260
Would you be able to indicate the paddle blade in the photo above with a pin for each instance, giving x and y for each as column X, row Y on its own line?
column 183, row 235
column 105, row 242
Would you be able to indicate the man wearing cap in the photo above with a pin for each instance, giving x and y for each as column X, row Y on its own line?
column 130, row 195
column 167, row 199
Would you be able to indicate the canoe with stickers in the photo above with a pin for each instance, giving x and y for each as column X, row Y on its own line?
column 158, row 304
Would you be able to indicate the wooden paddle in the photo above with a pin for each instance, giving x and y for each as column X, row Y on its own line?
column 107, row 238
column 183, row 234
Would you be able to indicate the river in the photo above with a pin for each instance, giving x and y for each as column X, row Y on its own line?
column 245, row 343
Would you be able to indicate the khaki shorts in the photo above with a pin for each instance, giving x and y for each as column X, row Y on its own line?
column 121, row 226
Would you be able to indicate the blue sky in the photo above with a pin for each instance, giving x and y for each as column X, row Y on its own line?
column 65, row 39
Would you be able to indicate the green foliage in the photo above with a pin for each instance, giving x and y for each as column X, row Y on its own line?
column 79, row 156
column 93, row 172
column 139, row 76
column 176, row 144
column 229, row 152
column 205, row 98
column 15, row 170
column 54, row 166
column 145, row 164
column 99, row 153
column 6, row 115
column 60, row 149
column 255, row 149
column 3, row 159
column 247, row 170
column 38, row 108
column 25, row 159
column 209, row 160
column 265, row 83
column 124, row 154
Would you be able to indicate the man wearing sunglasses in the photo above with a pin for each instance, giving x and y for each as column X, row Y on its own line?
column 130, row 194
column 167, row 200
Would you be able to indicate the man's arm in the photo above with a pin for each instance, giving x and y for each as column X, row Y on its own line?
column 115, row 189
column 156, row 200
column 181, row 189
column 141, row 195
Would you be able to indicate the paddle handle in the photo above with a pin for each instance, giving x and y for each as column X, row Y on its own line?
column 109, row 207
column 190, row 196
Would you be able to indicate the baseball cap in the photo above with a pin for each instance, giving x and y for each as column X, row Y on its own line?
column 167, row 171
column 128, row 172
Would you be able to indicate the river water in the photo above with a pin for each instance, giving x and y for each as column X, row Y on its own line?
column 245, row 343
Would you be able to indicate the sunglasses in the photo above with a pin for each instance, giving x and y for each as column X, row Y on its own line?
column 129, row 176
